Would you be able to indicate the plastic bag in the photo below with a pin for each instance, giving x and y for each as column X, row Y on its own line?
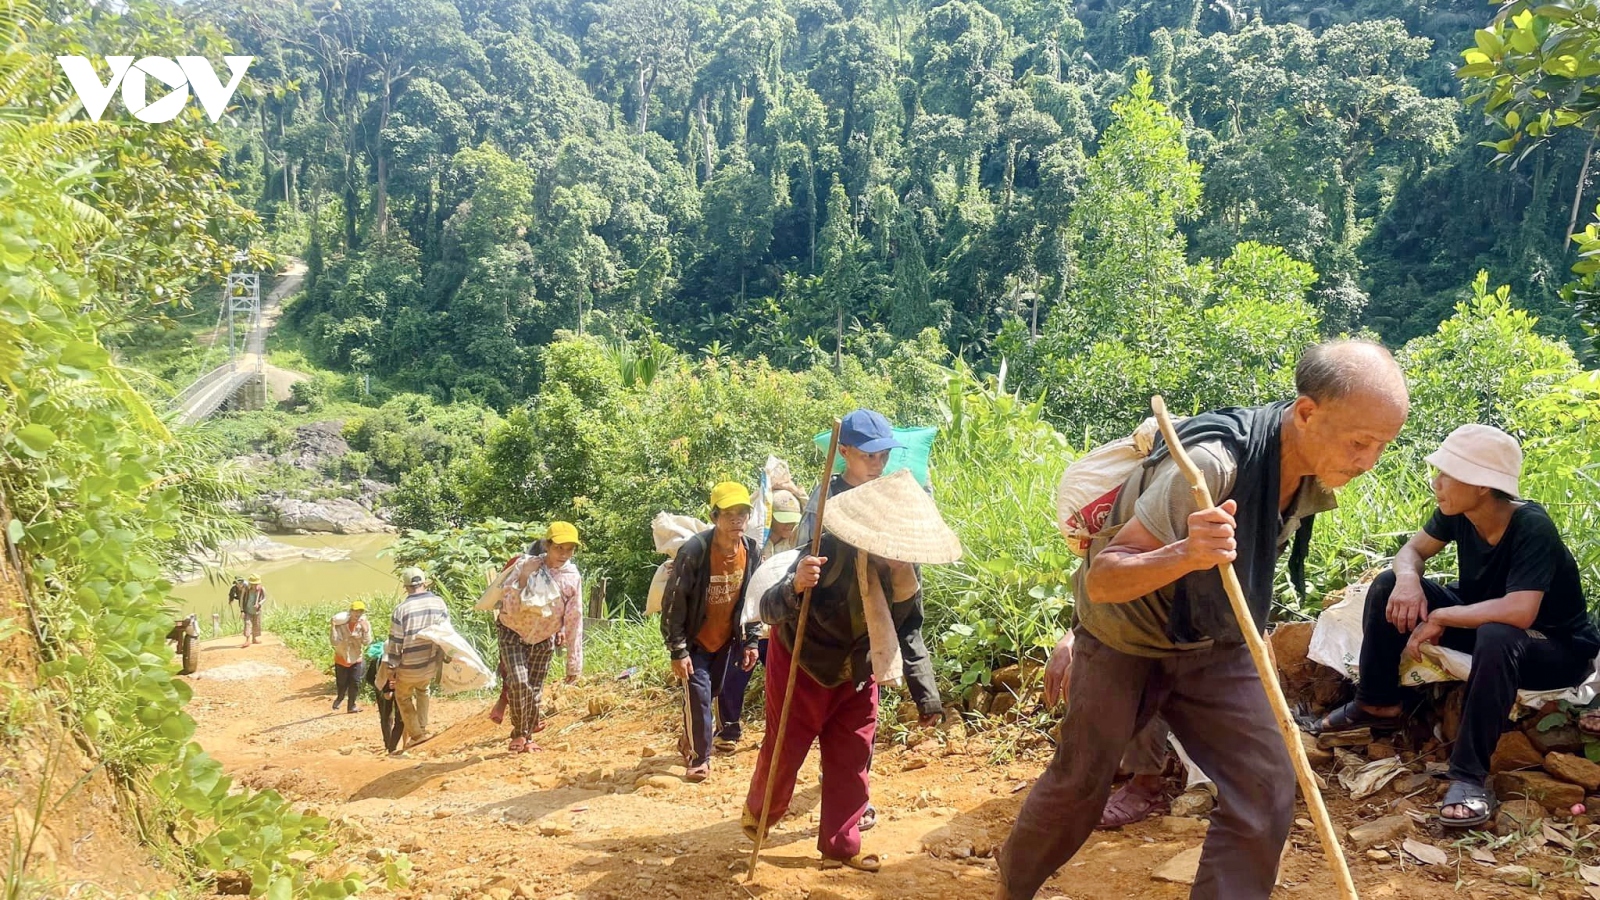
column 914, row 455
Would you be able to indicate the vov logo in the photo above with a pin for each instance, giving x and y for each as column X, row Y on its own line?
column 181, row 75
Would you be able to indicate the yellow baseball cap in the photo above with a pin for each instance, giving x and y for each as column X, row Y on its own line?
column 359, row 605
column 729, row 494
column 562, row 533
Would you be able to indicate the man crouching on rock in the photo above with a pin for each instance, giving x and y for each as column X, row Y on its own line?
column 1156, row 633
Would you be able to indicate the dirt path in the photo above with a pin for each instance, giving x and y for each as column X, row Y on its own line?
column 601, row 812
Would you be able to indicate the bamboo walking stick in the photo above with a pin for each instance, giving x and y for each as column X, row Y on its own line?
column 1260, row 655
column 794, row 659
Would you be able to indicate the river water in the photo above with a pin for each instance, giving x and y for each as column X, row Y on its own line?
column 304, row 582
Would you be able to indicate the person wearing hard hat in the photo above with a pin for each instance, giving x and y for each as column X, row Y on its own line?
column 350, row 631
column 1517, row 607
column 700, row 617
column 539, row 610
column 730, row 700
column 410, row 663
column 251, row 602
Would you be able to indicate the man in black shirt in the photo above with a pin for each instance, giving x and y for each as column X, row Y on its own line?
column 1518, row 608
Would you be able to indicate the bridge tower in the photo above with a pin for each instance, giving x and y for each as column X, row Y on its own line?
column 242, row 298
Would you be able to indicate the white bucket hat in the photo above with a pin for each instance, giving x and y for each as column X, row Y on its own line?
column 1480, row 455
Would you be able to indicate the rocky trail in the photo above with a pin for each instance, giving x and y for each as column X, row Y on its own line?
column 603, row 813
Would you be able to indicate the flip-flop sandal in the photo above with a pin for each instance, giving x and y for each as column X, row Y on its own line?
column 1480, row 800
column 1128, row 806
column 863, row 862
column 749, row 822
column 868, row 819
column 518, row 745
column 1348, row 717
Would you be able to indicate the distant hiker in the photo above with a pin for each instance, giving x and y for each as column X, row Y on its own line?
column 1156, row 633
column 864, row 628
column 539, row 608
column 350, row 632
column 1517, row 607
column 497, row 713
column 700, row 617
column 251, row 602
column 730, row 700
column 785, row 532
column 388, row 715
column 865, row 440
column 413, row 663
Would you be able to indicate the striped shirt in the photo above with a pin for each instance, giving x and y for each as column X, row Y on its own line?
column 404, row 652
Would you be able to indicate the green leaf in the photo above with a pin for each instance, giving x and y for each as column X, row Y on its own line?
column 1554, row 720
column 282, row 888
column 1591, row 750
column 36, row 438
column 15, row 531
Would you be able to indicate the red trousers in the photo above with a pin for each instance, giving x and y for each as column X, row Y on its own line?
column 844, row 721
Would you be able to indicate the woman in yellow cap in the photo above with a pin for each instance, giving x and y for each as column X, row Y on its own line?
column 350, row 632
column 251, row 602
column 540, row 610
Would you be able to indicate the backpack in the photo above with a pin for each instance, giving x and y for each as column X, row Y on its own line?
column 1091, row 485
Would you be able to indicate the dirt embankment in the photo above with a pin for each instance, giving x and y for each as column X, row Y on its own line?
column 69, row 830
column 602, row 812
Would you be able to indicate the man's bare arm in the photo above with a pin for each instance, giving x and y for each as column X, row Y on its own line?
column 1136, row 563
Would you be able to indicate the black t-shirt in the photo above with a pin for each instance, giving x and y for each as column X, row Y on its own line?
column 1529, row 557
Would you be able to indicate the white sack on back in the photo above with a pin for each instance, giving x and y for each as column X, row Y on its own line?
column 770, row 573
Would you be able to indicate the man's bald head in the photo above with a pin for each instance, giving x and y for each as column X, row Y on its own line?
column 1340, row 370
column 1353, row 401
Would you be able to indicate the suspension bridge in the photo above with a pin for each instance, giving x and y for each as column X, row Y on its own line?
column 239, row 383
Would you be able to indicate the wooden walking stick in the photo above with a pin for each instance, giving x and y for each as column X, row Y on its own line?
column 1259, row 654
column 794, row 658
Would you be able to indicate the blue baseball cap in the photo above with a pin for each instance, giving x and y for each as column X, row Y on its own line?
column 868, row 432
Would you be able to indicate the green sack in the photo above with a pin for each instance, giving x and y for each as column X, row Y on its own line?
column 914, row 455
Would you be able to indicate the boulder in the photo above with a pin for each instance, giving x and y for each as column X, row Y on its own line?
column 1573, row 769
column 288, row 515
column 1380, row 831
column 316, row 443
column 1555, row 796
column 1515, row 751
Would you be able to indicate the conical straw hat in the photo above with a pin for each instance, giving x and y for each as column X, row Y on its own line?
column 893, row 517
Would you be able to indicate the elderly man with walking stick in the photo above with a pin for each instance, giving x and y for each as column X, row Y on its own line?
column 1158, row 632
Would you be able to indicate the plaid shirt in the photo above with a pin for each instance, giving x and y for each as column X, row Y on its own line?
column 404, row 652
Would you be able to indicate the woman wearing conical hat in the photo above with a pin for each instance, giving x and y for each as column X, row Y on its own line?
column 864, row 628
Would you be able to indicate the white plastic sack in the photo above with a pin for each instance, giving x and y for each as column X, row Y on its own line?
column 658, row 588
column 670, row 531
column 1194, row 777
column 1336, row 643
column 1090, row 486
column 464, row 669
column 770, row 573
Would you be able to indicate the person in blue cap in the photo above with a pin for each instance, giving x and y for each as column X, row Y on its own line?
column 865, row 439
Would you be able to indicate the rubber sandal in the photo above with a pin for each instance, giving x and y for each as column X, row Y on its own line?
column 749, row 822
column 518, row 745
column 697, row 774
column 1480, row 800
column 1128, row 806
column 861, row 862
column 1348, row 717
column 868, row 819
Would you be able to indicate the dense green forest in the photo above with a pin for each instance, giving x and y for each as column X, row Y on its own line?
column 811, row 179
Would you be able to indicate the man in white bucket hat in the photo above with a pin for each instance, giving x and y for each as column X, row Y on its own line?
column 1518, row 608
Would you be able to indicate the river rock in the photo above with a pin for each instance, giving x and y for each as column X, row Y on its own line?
column 1561, row 739
column 1517, row 815
column 288, row 515
column 315, row 444
column 1193, row 803
column 1515, row 751
column 1555, row 796
column 1574, row 769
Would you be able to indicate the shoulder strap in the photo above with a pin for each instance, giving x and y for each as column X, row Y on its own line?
column 1298, row 551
